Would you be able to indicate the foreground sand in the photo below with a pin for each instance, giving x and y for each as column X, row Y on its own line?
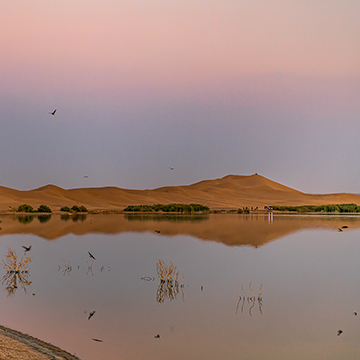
column 229, row 192
column 18, row 346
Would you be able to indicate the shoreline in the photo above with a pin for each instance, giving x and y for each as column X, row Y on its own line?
column 17, row 345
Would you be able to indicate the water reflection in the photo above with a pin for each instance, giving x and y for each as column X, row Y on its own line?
column 167, row 217
column 44, row 218
column 27, row 219
column 229, row 229
column 16, row 273
column 74, row 218
column 250, row 300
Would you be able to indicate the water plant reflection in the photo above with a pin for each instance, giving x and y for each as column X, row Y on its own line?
column 27, row 219
column 16, row 273
column 169, row 286
column 167, row 217
column 250, row 300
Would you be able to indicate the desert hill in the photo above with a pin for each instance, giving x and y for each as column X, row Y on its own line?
column 229, row 192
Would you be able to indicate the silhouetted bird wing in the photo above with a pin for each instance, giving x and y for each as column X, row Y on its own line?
column 53, row 113
column 91, row 255
column 91, row 315
column 339, row 332
column 27, row 248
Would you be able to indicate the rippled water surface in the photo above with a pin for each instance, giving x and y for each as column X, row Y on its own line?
column 300, row 276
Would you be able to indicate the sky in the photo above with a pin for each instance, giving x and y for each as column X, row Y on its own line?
column 208, row 87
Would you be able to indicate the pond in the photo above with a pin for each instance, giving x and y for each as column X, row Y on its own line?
column 243, row 286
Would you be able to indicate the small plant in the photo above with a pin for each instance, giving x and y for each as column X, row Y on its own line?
column 44, row 209
column 25, row 208
column 169, row 282
column 10, row 263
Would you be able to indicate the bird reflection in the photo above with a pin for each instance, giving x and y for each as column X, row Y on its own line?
column 17, row 273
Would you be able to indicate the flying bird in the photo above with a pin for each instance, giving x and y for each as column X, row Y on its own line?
column 85, row 177
column 91, row 255
column 339, row 332
column 355, row 313
column 27, row 248
column 171, row 168
column 339, row 229
column 53, row 113
column 91, row 314
column 98, row 340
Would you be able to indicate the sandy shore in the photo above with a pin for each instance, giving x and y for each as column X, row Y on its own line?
column 19, row 346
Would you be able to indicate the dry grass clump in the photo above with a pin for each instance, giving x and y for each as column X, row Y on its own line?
column 16, row 272
column 169, row 281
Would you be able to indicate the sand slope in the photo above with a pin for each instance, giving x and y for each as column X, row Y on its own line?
column 229, row 192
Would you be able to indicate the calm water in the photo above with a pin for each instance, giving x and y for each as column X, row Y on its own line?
column 308, row 272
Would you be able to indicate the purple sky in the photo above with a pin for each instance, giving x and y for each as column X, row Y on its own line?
column 208, row 87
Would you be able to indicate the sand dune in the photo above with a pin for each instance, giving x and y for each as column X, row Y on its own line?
column 229, row 192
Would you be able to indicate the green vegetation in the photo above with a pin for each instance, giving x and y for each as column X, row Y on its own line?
column 44, row 209
column 183, row 208
column 65, row 208
column 81, row 208
column 25, row 208
column 340, row 208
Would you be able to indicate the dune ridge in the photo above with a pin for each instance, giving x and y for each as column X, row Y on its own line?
column 229, row 192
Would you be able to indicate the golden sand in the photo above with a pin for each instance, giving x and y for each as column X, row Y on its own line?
column 229, row 192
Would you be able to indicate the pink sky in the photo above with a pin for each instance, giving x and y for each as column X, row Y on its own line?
column 228, row 67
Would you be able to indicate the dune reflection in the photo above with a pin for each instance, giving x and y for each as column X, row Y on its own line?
column 228, row 229
column 16, row 273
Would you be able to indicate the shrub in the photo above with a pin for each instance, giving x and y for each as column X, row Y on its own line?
column 65, row 208
column 83, row 208
column 25, row 208
column 75, row 208
column 44, row 209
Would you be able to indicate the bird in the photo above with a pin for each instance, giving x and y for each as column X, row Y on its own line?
column 171, row 168
column 157, row 231
column 91, row 255
column 339, row 332
column 344, row 227
column 355, row 313
column 85, row 177
column 98, row 340
column 339, row 229
column 91, row 314
column 27, row 248
column 53, row 113
column 157, row 336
